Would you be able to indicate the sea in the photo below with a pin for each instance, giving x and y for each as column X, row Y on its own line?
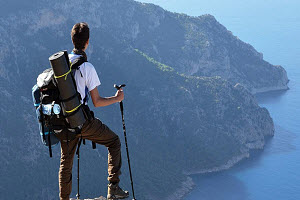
column 272, row 27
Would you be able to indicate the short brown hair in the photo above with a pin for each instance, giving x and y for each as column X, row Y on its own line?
column 80, row 34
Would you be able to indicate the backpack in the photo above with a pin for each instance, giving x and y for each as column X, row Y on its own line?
column 53, row 125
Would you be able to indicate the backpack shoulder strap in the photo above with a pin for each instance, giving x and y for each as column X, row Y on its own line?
column 75, row 65
column 77, row 62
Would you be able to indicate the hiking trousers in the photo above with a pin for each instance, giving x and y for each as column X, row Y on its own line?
column 99, row 133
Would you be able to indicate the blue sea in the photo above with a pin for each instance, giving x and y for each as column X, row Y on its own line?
column 273, row 28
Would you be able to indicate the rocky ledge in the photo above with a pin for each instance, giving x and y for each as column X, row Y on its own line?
column 99, row 198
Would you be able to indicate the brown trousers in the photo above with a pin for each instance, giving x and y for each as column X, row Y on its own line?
column 99, row 133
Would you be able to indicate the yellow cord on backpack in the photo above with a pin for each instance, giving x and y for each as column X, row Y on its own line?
column 66, row 74
column 70, row 111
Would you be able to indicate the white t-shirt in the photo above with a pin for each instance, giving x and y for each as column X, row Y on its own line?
column 89, row 79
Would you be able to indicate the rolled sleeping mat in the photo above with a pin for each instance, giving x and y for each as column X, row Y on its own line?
column 71, row 104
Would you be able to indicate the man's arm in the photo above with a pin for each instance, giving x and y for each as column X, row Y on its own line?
column 99, row 101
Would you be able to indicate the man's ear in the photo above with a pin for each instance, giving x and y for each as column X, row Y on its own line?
column 87, row 44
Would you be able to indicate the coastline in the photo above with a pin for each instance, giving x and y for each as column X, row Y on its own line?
column 269, row 89
column 230, row 163
column 188, row 185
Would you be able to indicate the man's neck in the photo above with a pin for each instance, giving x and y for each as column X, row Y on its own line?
column 80, row 52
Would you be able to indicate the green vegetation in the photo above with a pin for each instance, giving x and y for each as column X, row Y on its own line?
column 161, row 66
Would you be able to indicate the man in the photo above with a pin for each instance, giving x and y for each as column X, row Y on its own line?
column 87, row 80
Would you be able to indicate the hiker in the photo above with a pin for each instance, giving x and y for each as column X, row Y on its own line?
column 93, row 129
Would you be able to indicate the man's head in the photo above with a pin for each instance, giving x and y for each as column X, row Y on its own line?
column 80, row 35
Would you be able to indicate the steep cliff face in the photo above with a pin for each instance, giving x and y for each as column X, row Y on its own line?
column 177, row 124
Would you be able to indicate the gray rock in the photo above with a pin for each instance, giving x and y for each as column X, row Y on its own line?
column 99, row 198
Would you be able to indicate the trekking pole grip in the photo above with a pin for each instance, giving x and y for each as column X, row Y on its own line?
column 119, row 86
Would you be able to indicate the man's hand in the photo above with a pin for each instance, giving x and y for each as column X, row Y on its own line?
column 99, row 101
column 119, row 95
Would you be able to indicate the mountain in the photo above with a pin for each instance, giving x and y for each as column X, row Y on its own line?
column 198, row 46
column 177, row 122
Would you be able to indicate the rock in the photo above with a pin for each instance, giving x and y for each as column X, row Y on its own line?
column 99, row 198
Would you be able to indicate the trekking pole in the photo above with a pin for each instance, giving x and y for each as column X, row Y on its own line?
column 124, row 129
column 77, row 152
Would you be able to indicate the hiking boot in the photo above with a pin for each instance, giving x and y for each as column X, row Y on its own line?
column 115, row 192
